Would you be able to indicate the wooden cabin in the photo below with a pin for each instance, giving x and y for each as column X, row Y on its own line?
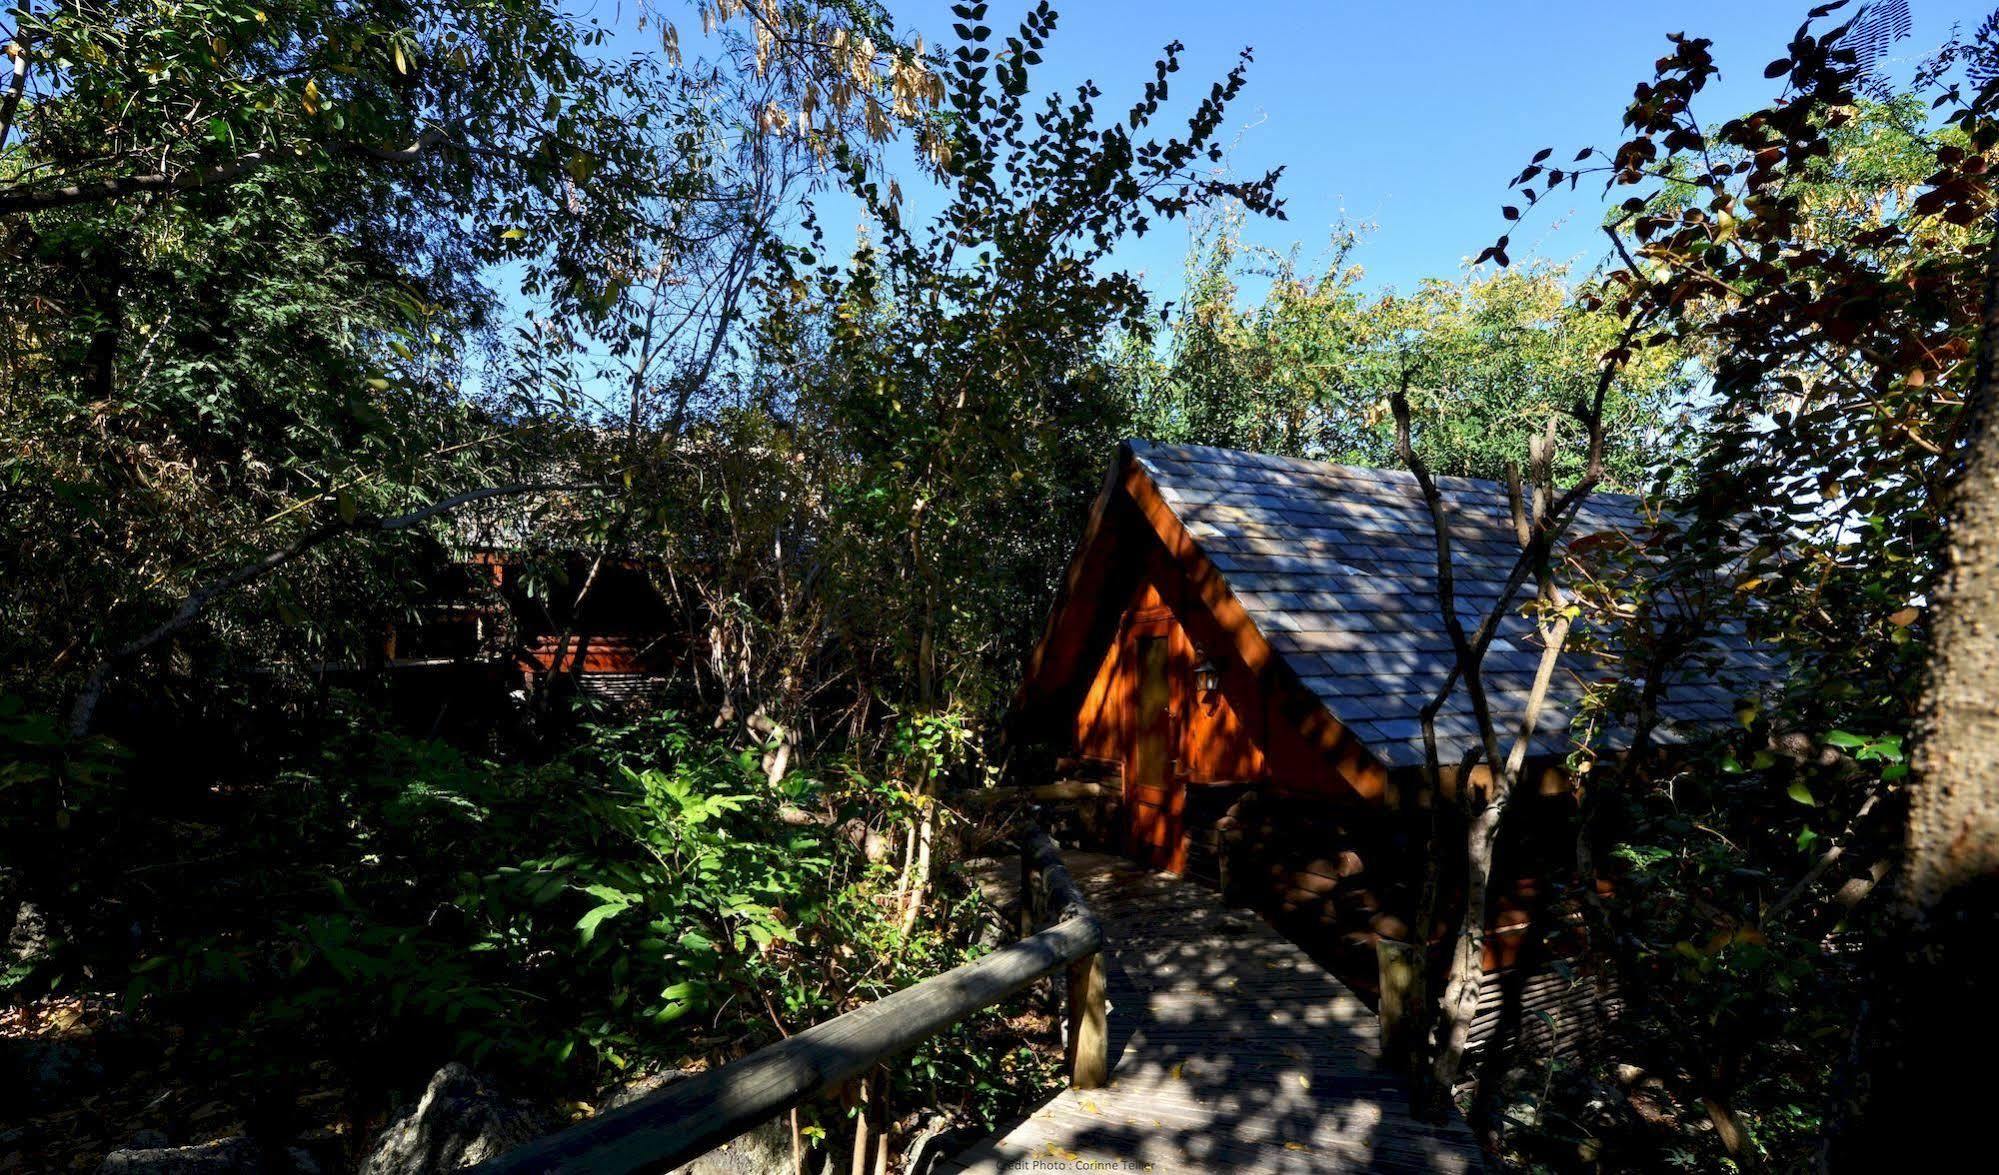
column 1240, row 650
column 614, row 647
column 481, row 639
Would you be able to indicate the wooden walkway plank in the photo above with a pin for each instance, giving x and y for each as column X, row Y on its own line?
column 1231, row 1051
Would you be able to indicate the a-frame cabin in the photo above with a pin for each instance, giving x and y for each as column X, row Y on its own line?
column 1239, row 652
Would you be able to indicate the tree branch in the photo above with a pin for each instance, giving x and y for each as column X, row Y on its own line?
column 1819, row 868
column 114, row 187
column 1538, row 525
column 17, row 81
column 1468, row 655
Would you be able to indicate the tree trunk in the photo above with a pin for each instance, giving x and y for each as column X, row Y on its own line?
column 1953, row 838
column 919, row 880
column 1467, row 966
column 1938, row 984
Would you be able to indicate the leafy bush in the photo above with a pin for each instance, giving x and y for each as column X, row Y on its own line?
column 638, row 900
column 643, row 898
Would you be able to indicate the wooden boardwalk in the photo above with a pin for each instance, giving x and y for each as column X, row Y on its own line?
column 1231, row 1051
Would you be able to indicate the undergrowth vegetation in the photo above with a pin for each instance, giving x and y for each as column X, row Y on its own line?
column 635, row 901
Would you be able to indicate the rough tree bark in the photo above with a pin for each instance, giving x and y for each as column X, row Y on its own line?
column 1933, row 1007
column 1953, row 837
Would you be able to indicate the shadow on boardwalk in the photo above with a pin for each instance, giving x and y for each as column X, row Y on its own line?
column 1231, row 1051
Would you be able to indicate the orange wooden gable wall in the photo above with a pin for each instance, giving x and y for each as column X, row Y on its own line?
column 1230, row 736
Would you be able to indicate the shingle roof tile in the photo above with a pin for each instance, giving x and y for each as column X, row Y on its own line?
column 1336, row 567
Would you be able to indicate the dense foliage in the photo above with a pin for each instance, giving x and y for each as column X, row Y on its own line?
column 1488, row 356
column 1788, row 310
column 1818, row 257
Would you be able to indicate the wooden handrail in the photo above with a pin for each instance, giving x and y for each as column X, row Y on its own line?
column 694, row 1116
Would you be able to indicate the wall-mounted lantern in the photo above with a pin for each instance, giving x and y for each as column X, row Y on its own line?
column 1207, row 676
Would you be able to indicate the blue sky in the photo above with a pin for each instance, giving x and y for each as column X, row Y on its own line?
column 1413, row 115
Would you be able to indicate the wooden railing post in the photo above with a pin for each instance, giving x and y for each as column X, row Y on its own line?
column 1401, row 1009
column 866, row 1094
column 853, row 1098
column 1089, row 1046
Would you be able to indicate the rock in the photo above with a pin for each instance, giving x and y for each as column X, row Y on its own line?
column 763, row 1151
column 992, row 931
column 28, row 937
column 458, row 1122
column 223, row 1156
column 47, row 1070
column 932, row 1145
column 637, row 1089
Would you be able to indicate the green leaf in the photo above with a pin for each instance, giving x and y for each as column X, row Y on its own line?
column 1799, row 792
column 589, row 922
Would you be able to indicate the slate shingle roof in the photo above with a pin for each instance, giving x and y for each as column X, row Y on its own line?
column 1336, row 566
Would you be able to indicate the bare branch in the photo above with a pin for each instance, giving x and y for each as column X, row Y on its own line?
column 1540, row 518
column 1468, row 655
column 1516, row 501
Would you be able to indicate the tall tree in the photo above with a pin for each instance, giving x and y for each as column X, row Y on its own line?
column 1824, row 257
column 268, row 246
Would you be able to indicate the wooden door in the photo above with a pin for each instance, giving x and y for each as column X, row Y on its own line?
column 1154, row 799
